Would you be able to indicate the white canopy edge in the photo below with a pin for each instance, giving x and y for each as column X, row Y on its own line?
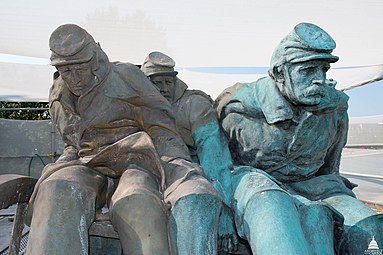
column 214, row 83
column 31, row 82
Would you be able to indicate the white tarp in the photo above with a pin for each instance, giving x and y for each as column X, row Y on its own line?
column 25, row 82
column 196, row 34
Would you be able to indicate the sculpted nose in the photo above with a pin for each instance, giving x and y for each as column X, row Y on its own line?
column 317, row 82
column 76, row 77
column 165, row 87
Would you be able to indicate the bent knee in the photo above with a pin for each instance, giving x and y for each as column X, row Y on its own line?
column 60, row 187
column 136, row 204
column 59, row 195
column 251, row 185
column 197, row 202
column 79, row 175
column 194, row 186
column 136, row 181
column 318, row 213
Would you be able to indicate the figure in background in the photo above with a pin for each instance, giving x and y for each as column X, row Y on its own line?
column 121, row 142
column 292, row 126
column 198, row 125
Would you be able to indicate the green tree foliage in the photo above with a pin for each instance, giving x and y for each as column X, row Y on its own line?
column 24, row 110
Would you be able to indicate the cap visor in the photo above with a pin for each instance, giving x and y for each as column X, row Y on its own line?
column 330, row 58
column 164, row 73
column 69, row 61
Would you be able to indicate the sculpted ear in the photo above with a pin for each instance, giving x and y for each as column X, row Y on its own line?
column 278, row 74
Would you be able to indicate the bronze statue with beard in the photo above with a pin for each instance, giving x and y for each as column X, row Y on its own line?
column 290, row 128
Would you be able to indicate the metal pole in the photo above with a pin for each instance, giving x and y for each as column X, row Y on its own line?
column 362, row 175
column 24, row 109
column 53, row 140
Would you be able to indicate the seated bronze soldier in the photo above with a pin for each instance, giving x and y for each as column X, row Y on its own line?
column 292, row 126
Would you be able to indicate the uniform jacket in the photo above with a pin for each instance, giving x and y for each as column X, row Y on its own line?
column 122, row 104
column 294, row 144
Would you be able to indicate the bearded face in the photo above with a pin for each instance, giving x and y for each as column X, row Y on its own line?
column 304, row 83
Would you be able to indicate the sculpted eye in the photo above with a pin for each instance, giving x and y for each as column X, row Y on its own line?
column 308, row 70
column 65, row 73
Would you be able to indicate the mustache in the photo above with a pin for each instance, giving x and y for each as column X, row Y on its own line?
column 315, row 90
column 319, row 87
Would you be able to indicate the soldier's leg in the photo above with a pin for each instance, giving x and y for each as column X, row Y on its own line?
column 268, row 217
column 352, row 209
column 138, row 214
column 194, row 217
column 63, row 211
column 317, row 221
column 361, row 224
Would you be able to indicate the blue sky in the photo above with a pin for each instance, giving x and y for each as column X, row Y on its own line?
column 366, row 100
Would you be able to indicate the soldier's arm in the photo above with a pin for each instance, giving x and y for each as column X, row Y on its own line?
column 162, row 129
column 65, row 120
column 212, row 147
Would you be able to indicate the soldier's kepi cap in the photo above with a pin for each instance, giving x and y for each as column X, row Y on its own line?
column 71, row 44
column 306, row 42
column 157, row 63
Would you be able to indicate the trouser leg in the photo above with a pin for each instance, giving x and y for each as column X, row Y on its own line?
column 352, row 209
column 63, row 211
column 273, row 225
column 138, row 214
column 361, row 224
column 194, row 218
column 267, row 216
column 318, row 227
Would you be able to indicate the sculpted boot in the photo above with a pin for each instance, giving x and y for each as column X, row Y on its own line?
column 141, row 223
column 364, row 237
column 318, row 222
column 193, row 225
column 361, row 224
column 63, row 212
column 139, row 215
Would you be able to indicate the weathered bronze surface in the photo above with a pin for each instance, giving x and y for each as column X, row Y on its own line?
column 198, row 125
column 175, row 171
column 122, row 150
column 290, row 128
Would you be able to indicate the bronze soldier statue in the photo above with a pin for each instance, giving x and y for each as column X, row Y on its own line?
column 122, row 149
column 291, row 127
column 197, row 122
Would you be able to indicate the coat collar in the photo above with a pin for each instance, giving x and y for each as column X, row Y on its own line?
column 179, row 89
column 274, row 106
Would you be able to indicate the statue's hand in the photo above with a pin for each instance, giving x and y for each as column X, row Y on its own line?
column 227, row 236
column 69, row 154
